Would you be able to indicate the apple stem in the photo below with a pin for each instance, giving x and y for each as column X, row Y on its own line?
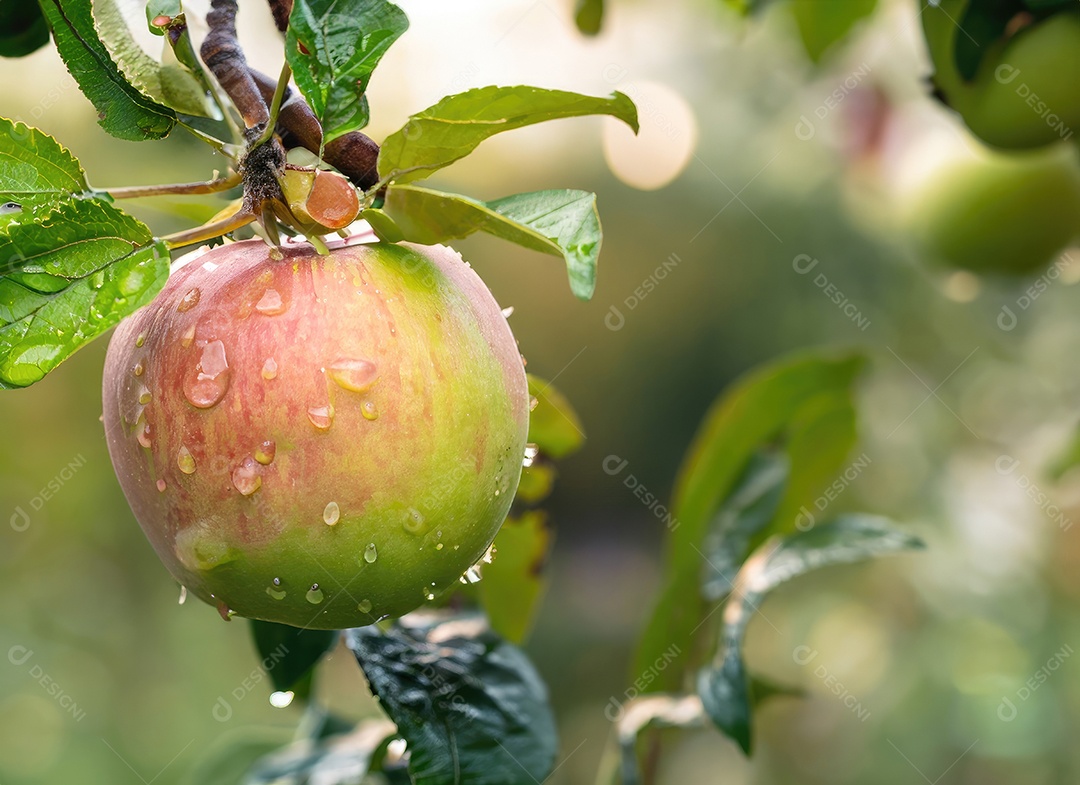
column 216, row 185
column 208, row 231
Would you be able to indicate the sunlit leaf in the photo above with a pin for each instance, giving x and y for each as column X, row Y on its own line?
column 514, row 582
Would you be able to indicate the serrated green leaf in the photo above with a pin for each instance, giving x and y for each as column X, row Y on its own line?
column 554, row 426
column 470, row 705
column 822, row 24
column 590, row 16
column 559, row 223
column 122, row 110
column 288, row 654
column 514, row 583
column 749, row 510
column 774, row 402
column 333, row 47
column 23, row 28
column 68, row 277
column 723, row 687
column 454, row 127
column 35, row 170
column 172, row 86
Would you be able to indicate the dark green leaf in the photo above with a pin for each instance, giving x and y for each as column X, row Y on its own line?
column 560, row 223
column 168, row 85
column 454, row 127
column 122, row 110
column 288, row 654
column 514, row 582
column 822, row 23
column 757, row 410
column 341, row 759
column 67, row 277
column 35, row 171
column 554, row 426
column 470, row 705
column 333, row 47
column 23, row 29
column 982, row 24
column 724, row 689
column 589, row 16
column 750, row 509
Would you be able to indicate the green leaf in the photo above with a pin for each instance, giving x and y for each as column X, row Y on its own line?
column 66, row 279
column 470, row 705
column 454, row 127
column 822, row 24
column 23, row 29
column 750, row 509
column 172, row 86
column 758, row 409
column 156, row 8
column 560, row 223
column 724, row 688
column 537, row 482
column 288, row 654
column 35, row 171
column 333, row 47
column 340, row 759
column 554, row 426
column 590, row 16
column 514, row 582
column 122, row 110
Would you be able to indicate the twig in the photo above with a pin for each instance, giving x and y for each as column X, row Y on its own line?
column 208, row 187
column 275, row 103
column 208, row 231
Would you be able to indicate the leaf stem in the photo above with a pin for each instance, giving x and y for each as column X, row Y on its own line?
column 208, row 231
column 275, row 103
column 217, row 185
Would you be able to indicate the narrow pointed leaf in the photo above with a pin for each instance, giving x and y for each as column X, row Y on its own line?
column 724, row 688
column 122, row 110
column 454, row 127
column 333, row 47
column 561, row 223
column 288, row 654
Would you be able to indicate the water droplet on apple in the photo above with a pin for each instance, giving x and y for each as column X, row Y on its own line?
column 207, row 387
column 356, row 375
column 140, row 340
column 369, row 410
column 144, row 395
column 364, row 606
column 188, row 337
column 138, row 369
column 314, row 595
column 265, row 452
column 269, row 369
column 185, row 460
column 414, row 521
column 189, row 301
column 161, row 486
column 371, row 553
column 245, row 477
column 533, row 402
column 531, row 451
column 270, row 304
column 144, row 435
column 322, row 417
column 183, row 595
column 331, row 513
column 472, row 575
column 438, row 546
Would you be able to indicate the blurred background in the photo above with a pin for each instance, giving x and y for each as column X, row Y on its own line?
column 951, row 666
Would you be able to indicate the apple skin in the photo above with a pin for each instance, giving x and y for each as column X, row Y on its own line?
column 1006, row 214
column 403, row 346
column 1040, row 64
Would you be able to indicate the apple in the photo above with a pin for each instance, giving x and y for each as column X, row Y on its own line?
column 1000, row 213
column 1024, row 94
column 320, row 441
